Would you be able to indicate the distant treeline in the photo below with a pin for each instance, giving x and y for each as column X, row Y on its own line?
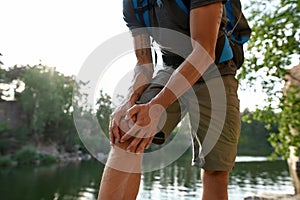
column 254, row 136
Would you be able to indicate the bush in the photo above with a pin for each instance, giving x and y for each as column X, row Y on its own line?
column 47, row 159
column 26, row 155
column 5, row 161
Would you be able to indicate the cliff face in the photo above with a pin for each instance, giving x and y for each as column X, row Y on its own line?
column 11, row 112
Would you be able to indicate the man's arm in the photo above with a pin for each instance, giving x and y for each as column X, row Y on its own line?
column 142, row 75
column 203, row 55
column 144, row 68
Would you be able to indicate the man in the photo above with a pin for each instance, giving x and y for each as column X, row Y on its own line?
column 134, row 124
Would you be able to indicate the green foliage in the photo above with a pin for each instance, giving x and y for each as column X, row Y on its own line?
column 47, row 101
column 12, row 138
column 47, row 159
column 274, row 43
column 274, row 40
column 4, row 140
column 104, row 111
column 5, row 161
column 27, row 155
column 289, row 126
column 288, row 122
column 3, row 127
column 10, row 78
column 42, row 98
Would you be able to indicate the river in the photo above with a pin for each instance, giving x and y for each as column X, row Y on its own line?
column 179, row 181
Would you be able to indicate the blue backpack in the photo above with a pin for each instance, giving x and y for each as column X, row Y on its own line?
column 229, row 46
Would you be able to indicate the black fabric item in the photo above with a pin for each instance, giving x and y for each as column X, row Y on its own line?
column 172, row 60
column 238, row 53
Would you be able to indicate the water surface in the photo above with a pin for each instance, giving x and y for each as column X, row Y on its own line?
column 178, row 181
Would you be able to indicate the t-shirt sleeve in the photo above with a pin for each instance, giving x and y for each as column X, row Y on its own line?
column 129, row 17
column 199, row 3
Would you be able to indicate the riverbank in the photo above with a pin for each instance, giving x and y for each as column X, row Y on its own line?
column 31, row 155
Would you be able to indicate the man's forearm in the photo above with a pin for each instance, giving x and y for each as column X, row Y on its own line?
column 143, row 70
column 142, row 77
column 202, row 56
column 183, row 78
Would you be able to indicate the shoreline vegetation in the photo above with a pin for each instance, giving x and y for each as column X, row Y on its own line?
column 253, row 142
column 29, row 155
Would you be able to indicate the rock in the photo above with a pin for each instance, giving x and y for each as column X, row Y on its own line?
column 273, row 197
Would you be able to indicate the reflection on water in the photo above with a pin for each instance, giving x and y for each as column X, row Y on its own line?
column 177, row 181
column 69, row 181
column 261, row 177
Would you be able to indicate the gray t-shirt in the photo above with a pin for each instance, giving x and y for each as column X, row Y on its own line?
column 169, row 15
column 173, row 34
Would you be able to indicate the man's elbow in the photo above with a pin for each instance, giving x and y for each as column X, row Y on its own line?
column 205, row 53
column 204, row 48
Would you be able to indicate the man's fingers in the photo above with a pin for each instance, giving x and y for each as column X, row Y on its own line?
column 131, row 133
column 131, row 112
column 140, row 142
column 111, row 138
column 143, row 145
column 111, row 134
column 114, row 132
column 149, row 142
column 133, row 145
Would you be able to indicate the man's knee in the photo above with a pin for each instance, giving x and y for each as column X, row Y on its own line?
column 123, row 128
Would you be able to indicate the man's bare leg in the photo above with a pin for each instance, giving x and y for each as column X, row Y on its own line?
column 122, row 181
column 215, row 185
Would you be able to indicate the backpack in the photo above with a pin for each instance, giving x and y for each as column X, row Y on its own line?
column 229, row 45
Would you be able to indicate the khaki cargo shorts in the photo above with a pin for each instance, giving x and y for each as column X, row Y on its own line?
column 222, row 154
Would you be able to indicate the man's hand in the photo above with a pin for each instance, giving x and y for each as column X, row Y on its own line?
column 143, row 73
column 146, row 118
column 115, row 122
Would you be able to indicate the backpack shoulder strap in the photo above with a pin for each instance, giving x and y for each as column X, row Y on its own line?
column 226, row 52
column 184, row 6
column 141, row 9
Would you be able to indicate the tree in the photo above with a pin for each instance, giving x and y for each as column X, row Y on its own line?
column 275, row 39
column 47, row 101
column 104, row 111
column 274, row 43
column 11, row 83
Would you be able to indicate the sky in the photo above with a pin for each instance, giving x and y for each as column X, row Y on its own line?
column 63, row 33
column 58, row 33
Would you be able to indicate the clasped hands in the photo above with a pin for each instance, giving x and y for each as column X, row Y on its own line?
column 135, row 124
